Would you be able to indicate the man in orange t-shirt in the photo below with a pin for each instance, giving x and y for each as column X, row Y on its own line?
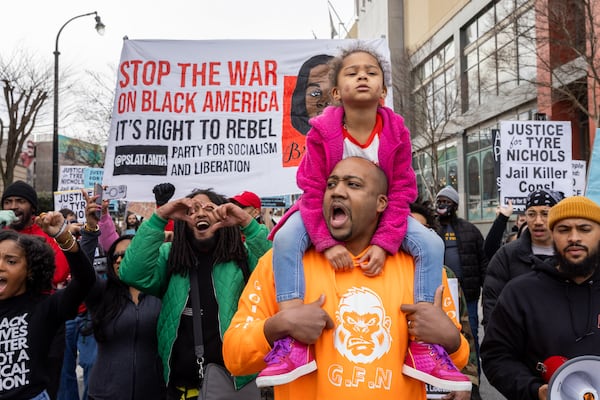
column 359, row 325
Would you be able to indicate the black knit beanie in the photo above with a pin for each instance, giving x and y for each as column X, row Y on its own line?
column 23, row 190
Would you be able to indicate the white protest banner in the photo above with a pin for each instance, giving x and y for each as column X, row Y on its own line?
column 534, row 155
column 579, row 177
column 224, row 114
column 73, row 200
column 71, row 177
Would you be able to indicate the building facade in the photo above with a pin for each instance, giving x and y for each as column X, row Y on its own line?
column 461, row 67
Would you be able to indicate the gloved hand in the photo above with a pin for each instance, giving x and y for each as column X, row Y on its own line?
column 7, row 217
column 163, row 193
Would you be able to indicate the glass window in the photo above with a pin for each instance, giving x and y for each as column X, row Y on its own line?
column 471, row 32
column 439, row 82
column 439, row 108
column 472, row 143
column 486, row 21
column 442, row 176
column 473, row 188
column 485, row 138
column 452, row 102
column 490, row 188
column 526, row 20
column 438, row 60
column 427, row 69
column 507, row 68
column 487, row 78
column 472, row 59
column 526, row 59
column 449, row 52
column 419, row 75
column 473, row 87
column 505, row 36
column 451, row 151
column 487, row 48
column 504, row 8
column 453, row 174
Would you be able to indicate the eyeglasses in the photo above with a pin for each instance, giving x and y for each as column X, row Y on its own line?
column 115, row 256
column 533, row 215
column 315, row 93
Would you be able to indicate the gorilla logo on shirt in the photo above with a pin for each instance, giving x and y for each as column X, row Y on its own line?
column 362, row 334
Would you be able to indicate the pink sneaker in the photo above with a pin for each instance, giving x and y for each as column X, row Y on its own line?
column 431, row 364
column 287, row 361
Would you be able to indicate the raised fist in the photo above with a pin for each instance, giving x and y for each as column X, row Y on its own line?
column 163, row 193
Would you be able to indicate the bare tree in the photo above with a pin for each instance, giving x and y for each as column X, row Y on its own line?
column 430, row 104
column 25, row 87
column 94, row 106
column 561, row 38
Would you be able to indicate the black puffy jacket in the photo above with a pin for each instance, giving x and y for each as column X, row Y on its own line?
column 472, row 256
column 511, row 260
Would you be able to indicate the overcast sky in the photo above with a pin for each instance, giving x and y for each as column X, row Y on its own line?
column 33, row 25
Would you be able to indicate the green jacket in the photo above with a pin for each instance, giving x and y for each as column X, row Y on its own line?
column 145, row 268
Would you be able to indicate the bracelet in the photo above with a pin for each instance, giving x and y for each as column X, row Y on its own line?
column 88, row 229
column 63, row 245
column 62, row 230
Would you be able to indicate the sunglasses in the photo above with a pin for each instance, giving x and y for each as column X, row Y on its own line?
column 115, row 256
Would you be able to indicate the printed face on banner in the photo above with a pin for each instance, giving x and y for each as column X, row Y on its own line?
column 228, row 115
column 534, row 155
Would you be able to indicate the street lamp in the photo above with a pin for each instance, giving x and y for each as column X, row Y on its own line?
column 100, row 29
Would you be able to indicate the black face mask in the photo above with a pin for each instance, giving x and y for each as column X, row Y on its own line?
column 445, row 210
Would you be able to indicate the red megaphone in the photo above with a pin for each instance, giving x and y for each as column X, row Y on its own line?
column 550, row 365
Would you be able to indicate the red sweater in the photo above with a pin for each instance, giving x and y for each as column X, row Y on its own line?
column 61, row 273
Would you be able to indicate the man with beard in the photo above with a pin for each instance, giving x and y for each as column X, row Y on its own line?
column 22, row 199
column 551, row 311
column 359, row 325
column 464, row 254
column 207, row 244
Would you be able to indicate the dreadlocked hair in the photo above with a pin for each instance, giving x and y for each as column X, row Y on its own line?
column 229, row 245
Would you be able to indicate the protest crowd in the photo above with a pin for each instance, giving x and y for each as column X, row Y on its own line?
column 362, row 288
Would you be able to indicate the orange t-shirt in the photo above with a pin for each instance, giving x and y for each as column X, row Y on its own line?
column 362, row 357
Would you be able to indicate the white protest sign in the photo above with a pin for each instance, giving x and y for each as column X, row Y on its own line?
column 71, row 177
column 579, row 177
column 73, row 200
column 534, row 155
column 216, row 114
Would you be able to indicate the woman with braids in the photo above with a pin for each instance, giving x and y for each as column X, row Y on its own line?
column 30, row 311
column 207, row 238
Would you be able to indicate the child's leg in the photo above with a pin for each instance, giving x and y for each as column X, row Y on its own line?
column 427, row 248
column 289, row 244
column 428, row 362
column 289, row 359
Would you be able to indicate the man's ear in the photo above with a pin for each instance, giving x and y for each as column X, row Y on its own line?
column 382, row 202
